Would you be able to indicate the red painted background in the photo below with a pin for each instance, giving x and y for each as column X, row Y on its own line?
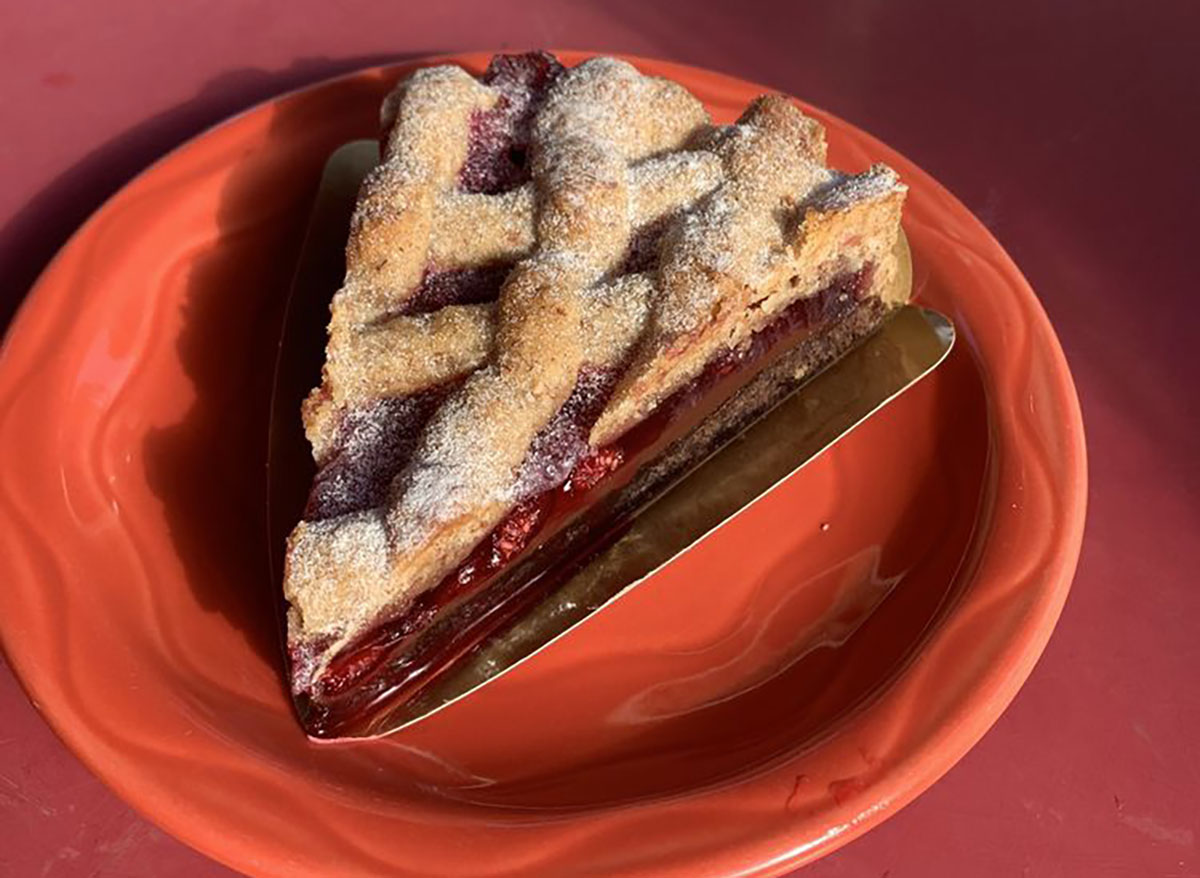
column 1070, row 128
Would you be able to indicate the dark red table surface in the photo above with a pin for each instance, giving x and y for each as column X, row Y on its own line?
column 1071, row 129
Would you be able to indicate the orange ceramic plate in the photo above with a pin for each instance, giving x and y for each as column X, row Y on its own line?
column 784, row 687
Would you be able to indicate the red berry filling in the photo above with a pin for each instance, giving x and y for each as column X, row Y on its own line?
column 373, row 444
column 498, row 145
column 456, row 286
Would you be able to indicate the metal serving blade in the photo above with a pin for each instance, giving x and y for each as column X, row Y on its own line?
column 801, row 427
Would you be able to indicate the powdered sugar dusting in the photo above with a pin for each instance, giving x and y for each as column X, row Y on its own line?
column 628, row 221
column 377, row 440
column 458, row 463
column 772, row 160
column 333, row 567
column 593, row 123
column 842, row 191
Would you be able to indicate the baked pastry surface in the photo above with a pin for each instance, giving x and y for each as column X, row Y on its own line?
column 562, row 287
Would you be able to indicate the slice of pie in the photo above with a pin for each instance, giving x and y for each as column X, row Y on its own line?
column 564, row 288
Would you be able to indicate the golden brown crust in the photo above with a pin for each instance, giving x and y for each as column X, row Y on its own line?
column 756, row 221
